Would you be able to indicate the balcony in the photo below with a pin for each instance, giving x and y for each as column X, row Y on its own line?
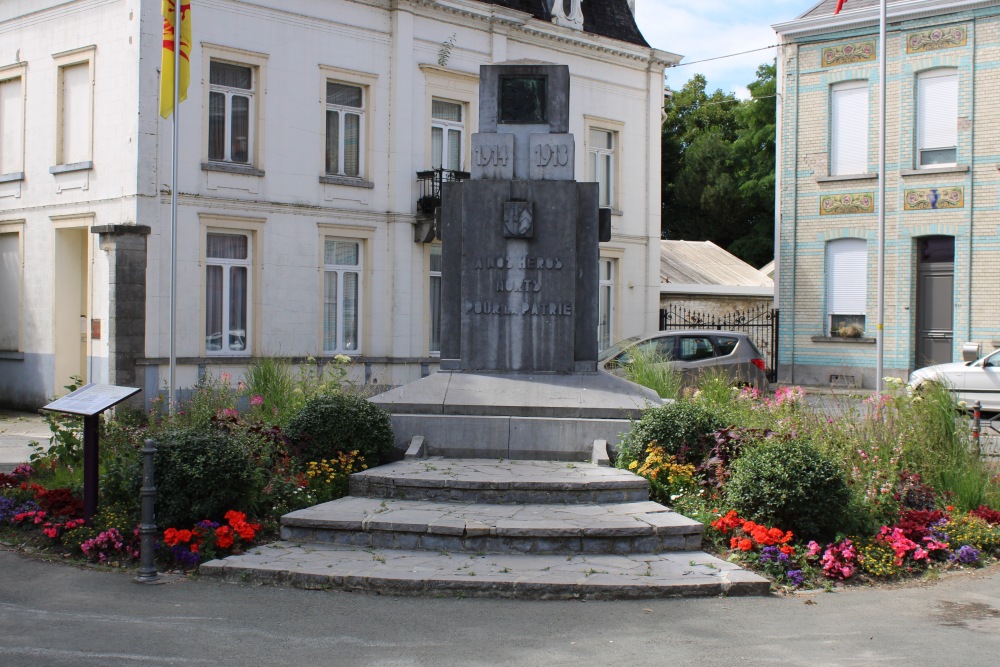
column 427, row 226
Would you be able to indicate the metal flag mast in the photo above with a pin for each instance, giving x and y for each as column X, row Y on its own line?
column 172, row 392
column 880, row 336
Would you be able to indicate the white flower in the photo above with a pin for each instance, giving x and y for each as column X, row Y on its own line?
column 342, row 359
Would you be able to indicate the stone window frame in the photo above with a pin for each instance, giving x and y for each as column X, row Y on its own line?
column 617, row 130
column 253, row 228
column 8, row 74
column 365, row 236
column 431, row 248
column 16, row 227
column 616, row 256
column 63, row 61
column 449, row 85
column 257, row 62
column 367, row 82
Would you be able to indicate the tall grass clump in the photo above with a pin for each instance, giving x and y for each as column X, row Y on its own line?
column 651, row 369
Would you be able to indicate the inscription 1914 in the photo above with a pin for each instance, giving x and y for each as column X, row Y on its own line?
column 491, row 155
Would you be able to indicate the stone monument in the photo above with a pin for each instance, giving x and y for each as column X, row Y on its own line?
column 519, row 313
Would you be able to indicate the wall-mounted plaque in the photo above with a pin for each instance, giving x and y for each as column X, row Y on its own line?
column 523, row 100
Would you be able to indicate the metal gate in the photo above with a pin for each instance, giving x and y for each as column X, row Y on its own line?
column 760, row 324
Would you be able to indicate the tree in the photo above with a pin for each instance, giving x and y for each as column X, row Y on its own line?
column 718, row 167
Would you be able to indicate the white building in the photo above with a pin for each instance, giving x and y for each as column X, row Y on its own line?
column 299, row 228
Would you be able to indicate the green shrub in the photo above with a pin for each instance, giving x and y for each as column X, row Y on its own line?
column 682, row 429
column 202, row 474
column 332, row 424
column 650, row 369
column 788, row 483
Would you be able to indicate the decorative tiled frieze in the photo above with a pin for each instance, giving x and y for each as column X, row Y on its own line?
column 937, row 38
column 857, row 202
column 925, row 199
column 845, row 54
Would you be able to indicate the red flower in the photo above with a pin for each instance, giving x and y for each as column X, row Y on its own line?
column 224, row 537
column 788, row 550
column 234, row 517
column 183, row 535
column 170, row 537
column 194, row 548
column 746, row 545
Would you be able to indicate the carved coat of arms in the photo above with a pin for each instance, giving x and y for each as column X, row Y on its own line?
column 517, row 220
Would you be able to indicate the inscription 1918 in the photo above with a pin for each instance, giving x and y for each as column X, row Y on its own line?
column 551, row 155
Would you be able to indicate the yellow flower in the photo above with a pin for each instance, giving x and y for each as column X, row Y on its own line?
column 633, row 465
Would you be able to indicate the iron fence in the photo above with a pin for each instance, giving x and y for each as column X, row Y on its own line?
column 759, row 323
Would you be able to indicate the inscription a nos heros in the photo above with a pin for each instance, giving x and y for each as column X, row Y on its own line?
column 504, row 284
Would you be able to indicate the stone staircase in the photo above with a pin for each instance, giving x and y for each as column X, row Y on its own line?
column 492, row 527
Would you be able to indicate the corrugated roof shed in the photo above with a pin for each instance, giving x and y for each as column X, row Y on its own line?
column 704, row 263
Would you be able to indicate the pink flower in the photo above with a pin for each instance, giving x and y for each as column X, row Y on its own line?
column 225, row 377
column 256, row 400
column 813, row 548
column 919, row 553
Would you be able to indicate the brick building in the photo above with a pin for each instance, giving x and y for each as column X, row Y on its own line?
column 942, row 222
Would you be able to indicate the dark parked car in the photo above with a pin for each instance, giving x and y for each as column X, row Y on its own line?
column 693, row 352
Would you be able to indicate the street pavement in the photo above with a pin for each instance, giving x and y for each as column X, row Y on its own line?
column 59, row 614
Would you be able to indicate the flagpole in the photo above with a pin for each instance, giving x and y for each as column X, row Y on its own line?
column 880, row 336
column 173, row 207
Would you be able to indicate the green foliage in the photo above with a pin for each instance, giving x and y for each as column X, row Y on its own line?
column 789, row 483
column 718, row 167
column 650, row 369
column 972, row 531
column 202, row 474
column 65, row 447
column 682, row 429
column 334, row 424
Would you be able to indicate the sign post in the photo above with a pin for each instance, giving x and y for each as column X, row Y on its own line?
column 89, row 402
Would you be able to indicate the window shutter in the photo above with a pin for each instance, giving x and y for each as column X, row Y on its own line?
column 847, row 277
column 849, row 128
column 937, row 109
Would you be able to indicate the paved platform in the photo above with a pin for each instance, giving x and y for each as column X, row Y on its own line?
column 17, row 431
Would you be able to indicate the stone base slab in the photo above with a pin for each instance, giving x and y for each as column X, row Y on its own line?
column 544, row 577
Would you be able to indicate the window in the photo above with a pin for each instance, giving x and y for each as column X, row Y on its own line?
column 10, row 289
column 849, row 128
column 937, row 117
column 846, row 286
column 695, row 348
column 341, row 295
column 227, row 293
column 74, row 108
column 344, row 129
column 447, row 130
column 435, row 299
column 11, row 124
column 605, row 303
column 601, row 155
column 230, row 112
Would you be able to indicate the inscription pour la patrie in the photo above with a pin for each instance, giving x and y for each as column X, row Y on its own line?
column 498, row 266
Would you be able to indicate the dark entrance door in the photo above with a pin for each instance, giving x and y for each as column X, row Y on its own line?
column 935, row 299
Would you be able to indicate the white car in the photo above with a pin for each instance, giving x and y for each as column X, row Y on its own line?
column 968, row 381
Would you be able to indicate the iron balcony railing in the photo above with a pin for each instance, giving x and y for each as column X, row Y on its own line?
column 430, row 187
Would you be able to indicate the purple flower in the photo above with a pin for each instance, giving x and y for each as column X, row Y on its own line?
column 966, row 555
column 796, row 577
column 770, row 554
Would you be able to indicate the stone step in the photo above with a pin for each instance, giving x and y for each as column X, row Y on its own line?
column 431, row 573
column 500, row 481
column 463, row 526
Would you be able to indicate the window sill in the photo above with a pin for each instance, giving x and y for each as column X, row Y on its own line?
column 953, row 169
column 75, row 166
column 228, row 168
column 862, row 340
column 11, row 356
column 846, row 177
column 615, row 211
column 13, row 176
column 349, row 182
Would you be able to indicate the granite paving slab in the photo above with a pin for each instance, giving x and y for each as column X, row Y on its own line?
column 408, row 572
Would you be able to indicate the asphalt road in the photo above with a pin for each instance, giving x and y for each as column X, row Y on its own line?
column 57, row 614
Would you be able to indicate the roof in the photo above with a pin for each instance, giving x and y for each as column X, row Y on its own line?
column 704, row 263
column 607, row 18
column 826, row 7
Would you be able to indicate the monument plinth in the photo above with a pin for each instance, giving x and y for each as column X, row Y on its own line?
column 519, row 291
